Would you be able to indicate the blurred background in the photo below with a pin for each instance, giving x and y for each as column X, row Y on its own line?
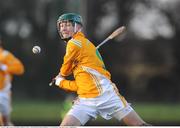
column 144, row 62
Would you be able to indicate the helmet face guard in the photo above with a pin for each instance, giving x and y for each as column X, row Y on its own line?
column 71, row 17
column 60, row 32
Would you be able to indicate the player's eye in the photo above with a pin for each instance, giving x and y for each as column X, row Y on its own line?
column 62, row 25
column 68, row 24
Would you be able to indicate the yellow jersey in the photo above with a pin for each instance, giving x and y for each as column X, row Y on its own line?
column 81, row 55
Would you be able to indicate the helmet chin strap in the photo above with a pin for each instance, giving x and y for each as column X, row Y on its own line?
column 75, row 27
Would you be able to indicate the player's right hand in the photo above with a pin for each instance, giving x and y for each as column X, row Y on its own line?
column 57, row 80
column 3, row 67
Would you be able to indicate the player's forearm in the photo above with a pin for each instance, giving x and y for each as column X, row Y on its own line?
column 70, row 59
column 17, row 68
column 66, row 69
column 68, row 85
column 14, row 65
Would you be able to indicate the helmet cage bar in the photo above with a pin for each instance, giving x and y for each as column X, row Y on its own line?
column 65, row 21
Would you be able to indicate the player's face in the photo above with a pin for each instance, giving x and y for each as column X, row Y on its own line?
column 66, row 29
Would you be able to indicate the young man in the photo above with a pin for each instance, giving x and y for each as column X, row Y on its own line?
column 9, row 66
column 97, row 94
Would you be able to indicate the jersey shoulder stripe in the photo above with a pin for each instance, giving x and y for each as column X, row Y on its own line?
column 88, row 42
column 76, row 42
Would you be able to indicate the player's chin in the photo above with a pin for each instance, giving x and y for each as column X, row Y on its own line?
column 65, row 36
